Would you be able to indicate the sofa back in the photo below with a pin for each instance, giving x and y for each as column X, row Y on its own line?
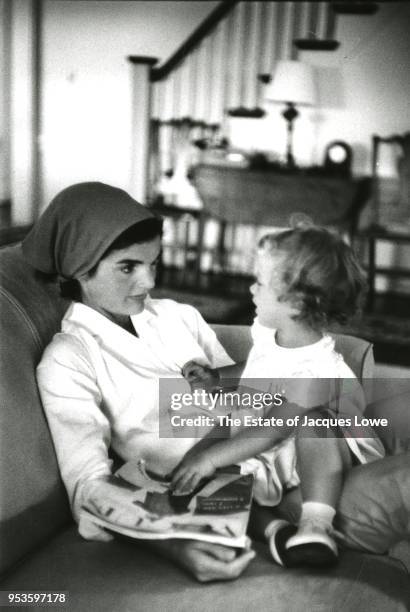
column 33, row 503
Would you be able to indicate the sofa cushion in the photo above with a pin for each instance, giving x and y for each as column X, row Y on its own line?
column 33, row 502
column 122, row 575
column 391, row 401
column 374, row 509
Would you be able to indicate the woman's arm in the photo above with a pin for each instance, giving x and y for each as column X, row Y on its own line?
column 72, row 403
column 204, row 560
column 81, row 435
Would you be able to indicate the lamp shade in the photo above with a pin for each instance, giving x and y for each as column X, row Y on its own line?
column 292, row 82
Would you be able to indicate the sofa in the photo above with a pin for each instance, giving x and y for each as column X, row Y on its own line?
column 41, row 549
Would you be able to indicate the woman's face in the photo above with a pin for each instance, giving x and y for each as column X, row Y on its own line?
column 122, row 280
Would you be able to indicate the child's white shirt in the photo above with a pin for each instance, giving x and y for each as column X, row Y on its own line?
column 294, row 372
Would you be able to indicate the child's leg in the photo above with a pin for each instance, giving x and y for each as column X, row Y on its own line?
column 321, row 463
column 288, row 510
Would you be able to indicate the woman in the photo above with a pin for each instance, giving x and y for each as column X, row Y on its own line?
column 98, row 378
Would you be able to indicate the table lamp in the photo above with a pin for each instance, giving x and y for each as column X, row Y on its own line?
column 292, row 84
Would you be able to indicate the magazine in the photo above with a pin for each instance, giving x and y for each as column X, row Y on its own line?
column 142, row 505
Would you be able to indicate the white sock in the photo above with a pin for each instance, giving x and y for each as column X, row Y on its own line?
column 317, row 510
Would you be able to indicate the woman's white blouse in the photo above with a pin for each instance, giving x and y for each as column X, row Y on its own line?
column 99, row 387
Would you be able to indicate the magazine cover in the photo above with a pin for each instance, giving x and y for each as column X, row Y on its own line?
column 144, row 506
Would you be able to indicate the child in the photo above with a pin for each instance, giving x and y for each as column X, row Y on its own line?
column 306, row 278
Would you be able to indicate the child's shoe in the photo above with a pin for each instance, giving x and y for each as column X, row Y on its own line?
column 313, row 544
column 278, row 533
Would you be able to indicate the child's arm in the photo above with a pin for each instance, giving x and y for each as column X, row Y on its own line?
column 245, row 444
column 194, row 468
column 200, row 376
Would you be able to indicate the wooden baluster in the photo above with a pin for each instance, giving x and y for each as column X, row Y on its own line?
column 201, row 90
column 225, row 39
column 279, row 32
column 253, row 22
column 268, row 39
column 190, row 86
column 317, row 32
column 236, row 36
column 176, row 97
column 322, row 20
column 168, row 98
column 313, row 20
column 304, row 20
column 287, row 30
column 330, row 22
column 209, row 76
column 296, row 27
column 219, row 71
column 185, row 107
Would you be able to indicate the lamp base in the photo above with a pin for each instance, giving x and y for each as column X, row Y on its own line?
column 290, row 113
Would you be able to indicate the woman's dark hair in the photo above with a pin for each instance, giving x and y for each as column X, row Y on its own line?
column 320, row 275
column 141, row 232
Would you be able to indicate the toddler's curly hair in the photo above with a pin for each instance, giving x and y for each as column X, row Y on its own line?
column 319, row 274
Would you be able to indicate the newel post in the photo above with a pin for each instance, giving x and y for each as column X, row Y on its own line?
column 141, row 115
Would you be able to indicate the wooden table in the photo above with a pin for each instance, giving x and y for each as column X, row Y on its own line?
column 240, row 196
column 265, row 197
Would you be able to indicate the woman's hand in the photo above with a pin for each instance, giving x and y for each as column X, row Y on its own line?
column 199, row 376
column 188, row 474
column 207, row 561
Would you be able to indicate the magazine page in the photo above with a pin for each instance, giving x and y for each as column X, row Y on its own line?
column 142, row 505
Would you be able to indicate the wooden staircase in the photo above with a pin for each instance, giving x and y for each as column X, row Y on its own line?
column 221, row 69
column 220, row 72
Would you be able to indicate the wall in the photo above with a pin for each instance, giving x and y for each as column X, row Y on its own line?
column 363, row 89
column 86, row 109
column 4, row 100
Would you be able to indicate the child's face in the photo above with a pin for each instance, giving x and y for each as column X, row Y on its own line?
column 268, row 288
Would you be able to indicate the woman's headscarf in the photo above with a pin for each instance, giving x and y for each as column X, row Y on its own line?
column 78, row 226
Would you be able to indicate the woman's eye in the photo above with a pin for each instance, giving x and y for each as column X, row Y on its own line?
column 126, row 269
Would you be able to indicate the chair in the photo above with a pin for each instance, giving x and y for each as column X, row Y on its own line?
column 400, row 198
column 391, row 207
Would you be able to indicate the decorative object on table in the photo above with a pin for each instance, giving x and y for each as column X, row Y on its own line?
column 338, row 158
column 293, row 84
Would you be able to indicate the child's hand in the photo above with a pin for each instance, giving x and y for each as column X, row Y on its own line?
column 199, row 376
column 190, row 472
